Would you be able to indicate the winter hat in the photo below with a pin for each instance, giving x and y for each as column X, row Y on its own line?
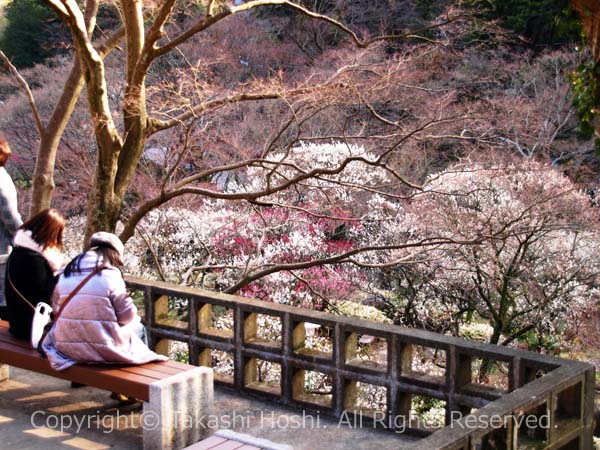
column 103, row 238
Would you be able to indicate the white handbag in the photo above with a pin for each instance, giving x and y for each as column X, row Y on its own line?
column 41, row 317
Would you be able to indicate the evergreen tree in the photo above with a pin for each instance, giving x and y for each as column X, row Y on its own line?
column 26, row 38
column 543, row 22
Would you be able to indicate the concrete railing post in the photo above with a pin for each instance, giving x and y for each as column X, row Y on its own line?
column 175, row 415
column 3, row 372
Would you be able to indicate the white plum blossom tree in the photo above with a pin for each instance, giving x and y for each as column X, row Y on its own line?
column 536, row 276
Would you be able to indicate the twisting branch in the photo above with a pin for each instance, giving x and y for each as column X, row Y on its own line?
column 156, row 125
column 210, row 20
column 357, row 40
column 25, row 86
column 346, row 258
column 157, row 264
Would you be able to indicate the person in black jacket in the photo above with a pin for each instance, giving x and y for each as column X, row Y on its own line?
column 32, row 269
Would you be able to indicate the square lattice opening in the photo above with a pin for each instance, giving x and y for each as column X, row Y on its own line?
column 262, row 329
column 366, row 352
column 175, row 350
column 490, row 373
column 313, row 387
column 423, row 365
column 216, row 321
column 172, row 311
column 427, row 413
column 262, row 375
column 221, row 362
column 312, row 340
column 532, row 427
column 568, row 412
column 365, row 399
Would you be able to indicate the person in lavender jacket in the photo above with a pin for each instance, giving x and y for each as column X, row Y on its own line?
column 10, row 219
column 100, row 324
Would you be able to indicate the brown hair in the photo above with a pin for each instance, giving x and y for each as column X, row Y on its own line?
column 5, row 151
column 103, row 253
column 46, row 228
column 106, row 252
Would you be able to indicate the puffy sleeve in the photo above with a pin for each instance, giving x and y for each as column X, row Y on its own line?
column 124, row 307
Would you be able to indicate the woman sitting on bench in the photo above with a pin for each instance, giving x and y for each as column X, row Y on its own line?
column 32, row 268
column 100, row 323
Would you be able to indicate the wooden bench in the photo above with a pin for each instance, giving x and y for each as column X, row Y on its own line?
column 176, row 396
column 231, row 440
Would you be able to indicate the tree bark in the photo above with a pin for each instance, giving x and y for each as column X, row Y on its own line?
column 43, row 175
column 589, row 12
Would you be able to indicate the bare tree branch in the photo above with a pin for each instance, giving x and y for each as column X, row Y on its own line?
column 345, row 258
column 25, row 86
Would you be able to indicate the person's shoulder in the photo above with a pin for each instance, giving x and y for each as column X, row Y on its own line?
column 28, row 258
column 5, row 177
column 111, row 273
column 6, row 181
column 21, row 251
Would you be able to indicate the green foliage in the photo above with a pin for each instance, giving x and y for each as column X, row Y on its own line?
column 586, row 97
column 429, row 9
column 23, row 183
column 423, row 404
column 535, row 342
column 429, row 411
column 181, row 356
column 543, row 22
column 28, row 37
column 478, row 331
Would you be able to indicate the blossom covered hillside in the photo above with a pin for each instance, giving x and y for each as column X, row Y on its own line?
column 514, row 244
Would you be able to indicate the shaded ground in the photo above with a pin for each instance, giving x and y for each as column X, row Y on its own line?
column 40, row 413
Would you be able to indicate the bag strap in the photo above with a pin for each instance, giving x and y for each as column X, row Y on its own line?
column 40, row 347
column 14, row 288
column 77, row 289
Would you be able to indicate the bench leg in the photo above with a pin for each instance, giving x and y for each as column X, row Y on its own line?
column 3, row 372
column 175, row 415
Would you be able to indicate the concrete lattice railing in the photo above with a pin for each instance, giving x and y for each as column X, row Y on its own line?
column 545, row 403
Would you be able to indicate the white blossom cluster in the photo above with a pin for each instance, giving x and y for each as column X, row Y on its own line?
column 354, row 309
column 536, row 268
column 221, row 242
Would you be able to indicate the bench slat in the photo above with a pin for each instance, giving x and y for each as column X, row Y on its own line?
column 166, row 368
column 176, row 365
column 228, row 445
column 207, row 443
column 145, row 371
column 157, row 371
column 131, row 380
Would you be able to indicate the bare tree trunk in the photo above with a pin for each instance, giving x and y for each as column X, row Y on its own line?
column 43, row 175
column 487, row 364
column 589, row 12
column 104, row 206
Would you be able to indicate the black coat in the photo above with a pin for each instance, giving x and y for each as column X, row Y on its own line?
column 32, row 276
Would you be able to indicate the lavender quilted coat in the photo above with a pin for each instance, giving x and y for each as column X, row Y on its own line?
column 98, row 324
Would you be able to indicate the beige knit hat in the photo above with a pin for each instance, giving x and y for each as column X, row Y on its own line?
column 107, row 239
